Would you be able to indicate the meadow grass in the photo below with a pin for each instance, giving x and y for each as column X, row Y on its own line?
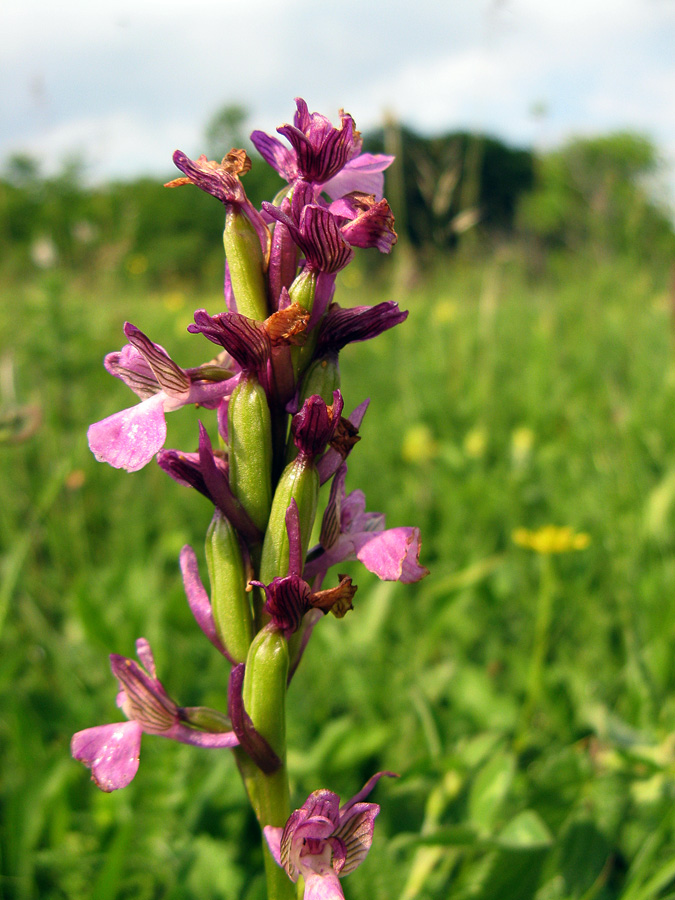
column 503, row 402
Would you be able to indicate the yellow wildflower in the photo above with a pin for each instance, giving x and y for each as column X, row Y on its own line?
column 475, row 443
column 137, row 264
column 174, row 300
column 419, row 445
column 522, row 441
column 445, row 311
column 551, row 539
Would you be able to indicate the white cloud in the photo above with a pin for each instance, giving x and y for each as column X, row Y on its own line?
column 124, row 79
column 118, row 145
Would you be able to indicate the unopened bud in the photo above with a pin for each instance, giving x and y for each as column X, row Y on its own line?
column 265, row 682
column 300, row 482
column 245, row 261
column 264, row 696
column 303, row 289
column 250, row 450
column 229, row 599
column 322, row 378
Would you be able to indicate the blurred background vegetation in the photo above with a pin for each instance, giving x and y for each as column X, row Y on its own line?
column 527, row 699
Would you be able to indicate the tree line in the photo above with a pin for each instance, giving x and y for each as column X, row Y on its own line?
column 598, row 196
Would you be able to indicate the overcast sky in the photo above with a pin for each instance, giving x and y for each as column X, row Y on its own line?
column 125, row 82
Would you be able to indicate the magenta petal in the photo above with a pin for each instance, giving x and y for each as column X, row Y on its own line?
column 354, row 837
column 325, row 886
column 363, row 173
column 130, row 366
column 273, row 838
column 110, row 751
column 276, row 154
column 392, row 555
column 198, row 598
column 170, row 377
column 144, row 653
column 294, row 540
column 210, row 740
column 331, row 459
column 365, row 790
column 129, row 439
column 249, row 738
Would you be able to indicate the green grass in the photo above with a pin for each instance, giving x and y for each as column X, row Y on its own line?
column 503, row 402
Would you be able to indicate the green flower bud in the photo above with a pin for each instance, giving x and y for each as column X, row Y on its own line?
column 245, row 261
column 303, row 289
column 300, row 482
column 229, row 600
column 322, row 378
column 265, row 682
column 250, row 450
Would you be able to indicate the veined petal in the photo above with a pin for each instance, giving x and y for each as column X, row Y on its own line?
column 330, row 524
column 372, row 227
column 294, row 541
column 323, row 805
column 322, row 241
column 314, row 426
column 146, row 656
column 144, row 699
column 220, row 179
column 171, row 378
column 358, row 323
column 130, row 367
column 246, row 341
column 129, row 439
column 315, row 229
column 276, row 154
column 288, row 599
column 331, row 460
column 111, row 752
column 321, row 149
column 356, row 836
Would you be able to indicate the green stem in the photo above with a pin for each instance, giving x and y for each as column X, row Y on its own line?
column 542, row 633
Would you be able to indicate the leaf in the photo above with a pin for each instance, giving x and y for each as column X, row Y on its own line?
column 513, row 874
column 446, row 836
column 583, row 856
column 527, row 831
column 659, row 505
column 489, row 790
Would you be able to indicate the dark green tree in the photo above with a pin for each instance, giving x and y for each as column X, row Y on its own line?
column 600, row 195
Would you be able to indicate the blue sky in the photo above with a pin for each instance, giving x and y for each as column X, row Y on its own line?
column 124, row 83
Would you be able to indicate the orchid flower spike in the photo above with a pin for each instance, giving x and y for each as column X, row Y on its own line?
column 112, row 751
column 323, row 841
